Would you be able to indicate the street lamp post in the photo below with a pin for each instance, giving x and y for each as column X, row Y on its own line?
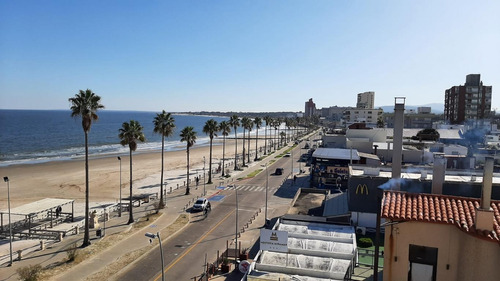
column 267, row 187
column 153, row 236
column 236, row 229
column 204, row 182
column 6, row 179
column 120, row 203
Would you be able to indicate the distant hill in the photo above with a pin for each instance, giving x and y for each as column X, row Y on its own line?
column 437, row 108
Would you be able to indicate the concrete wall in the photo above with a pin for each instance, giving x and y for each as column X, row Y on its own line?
column 461, row 256
column 375, row 135
column 334, row 141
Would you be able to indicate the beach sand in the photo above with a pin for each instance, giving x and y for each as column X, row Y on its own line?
column 66, row 179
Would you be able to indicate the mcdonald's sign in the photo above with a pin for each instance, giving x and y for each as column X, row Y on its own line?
column 362, row 189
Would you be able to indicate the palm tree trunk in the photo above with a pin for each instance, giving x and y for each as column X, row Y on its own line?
column 161, row 205
column 131, row 215
column 235, row 148
column 187, row 182
column 248, row 153
column 265, row 140
column 223, row 154
column 86, row 236
column 210, row 164
column 256, row 143
column 243, row 147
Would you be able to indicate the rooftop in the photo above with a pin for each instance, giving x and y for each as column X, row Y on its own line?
column 336, row 153
column 436, row 208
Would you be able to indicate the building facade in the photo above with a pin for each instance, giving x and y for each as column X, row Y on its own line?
column 366, row 100
column 468, row 103
column 310, row 108
column 362, row 115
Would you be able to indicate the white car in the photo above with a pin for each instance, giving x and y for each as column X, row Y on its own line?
column 200, row 204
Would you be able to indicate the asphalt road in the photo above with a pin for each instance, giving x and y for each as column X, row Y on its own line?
column 185, row 253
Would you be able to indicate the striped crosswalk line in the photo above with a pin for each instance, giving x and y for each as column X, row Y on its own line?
column 250, row 188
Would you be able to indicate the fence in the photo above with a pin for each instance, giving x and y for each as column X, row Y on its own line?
column 367, row 257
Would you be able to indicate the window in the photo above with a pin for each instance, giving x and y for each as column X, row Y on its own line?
column 423, row 263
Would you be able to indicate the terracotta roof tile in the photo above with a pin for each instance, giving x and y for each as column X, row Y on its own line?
column 459, row 211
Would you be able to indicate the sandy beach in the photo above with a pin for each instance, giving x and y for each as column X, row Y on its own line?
column 66, row 179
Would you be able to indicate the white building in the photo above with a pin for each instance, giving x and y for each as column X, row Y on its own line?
column 362, row 115
column 366, row 100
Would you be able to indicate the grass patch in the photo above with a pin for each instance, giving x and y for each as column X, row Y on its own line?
column 253, row 174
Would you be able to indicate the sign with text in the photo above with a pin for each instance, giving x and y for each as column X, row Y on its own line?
column 274, row 240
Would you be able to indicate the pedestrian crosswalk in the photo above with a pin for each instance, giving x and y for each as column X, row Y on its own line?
column 250, row 188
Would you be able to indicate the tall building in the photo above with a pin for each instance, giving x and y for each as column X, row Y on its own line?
column 470, row 102
column 366, row 100
column 310, row 108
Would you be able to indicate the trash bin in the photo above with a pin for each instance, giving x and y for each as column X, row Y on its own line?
column 98, row 232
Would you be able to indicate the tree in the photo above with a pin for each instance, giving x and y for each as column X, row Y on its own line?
column 245, row 121
column 130, row 134
column 211, row 130
column 85, row 104
column 225, row 129
column 282, row 138
column 258, row 123
column 164, row 124
column 380, row 122
column 268, row 120
column 189, row 136
column 276, row 125
column 234, row 122
column 428, row 134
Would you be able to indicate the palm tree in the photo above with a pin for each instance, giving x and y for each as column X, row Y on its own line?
column 244, row 123
column 211, row 130
column 268, row 120
column 249, row 126
column 234, row 122
column 258, row 124
column 276, row 125
column 225, row 129
column 164, row 125
column 283, row 138
column 85, row 104
column 130, row 134
column 189, row 136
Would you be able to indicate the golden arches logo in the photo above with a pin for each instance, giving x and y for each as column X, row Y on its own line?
column 362, row 189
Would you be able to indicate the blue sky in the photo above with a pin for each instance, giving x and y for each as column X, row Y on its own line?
column 243, row 55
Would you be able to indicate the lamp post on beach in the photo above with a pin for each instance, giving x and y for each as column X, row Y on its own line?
column 6, row 179
column 120, row 203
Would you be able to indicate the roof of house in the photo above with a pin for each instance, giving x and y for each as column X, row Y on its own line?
column 436, row 208
column 443, row 133
column 336, row 153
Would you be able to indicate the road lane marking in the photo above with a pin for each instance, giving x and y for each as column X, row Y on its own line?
column 193, row 246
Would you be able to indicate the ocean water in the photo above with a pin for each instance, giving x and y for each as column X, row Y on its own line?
column 35, row 136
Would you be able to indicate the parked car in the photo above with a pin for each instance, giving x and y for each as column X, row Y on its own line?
column 288, row 154
column 200, row 204
column 279, row 171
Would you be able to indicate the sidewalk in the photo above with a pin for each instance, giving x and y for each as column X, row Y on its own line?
column 56, row 253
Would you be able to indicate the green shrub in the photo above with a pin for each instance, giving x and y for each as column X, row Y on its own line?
column 30, row 272
column 365, row 242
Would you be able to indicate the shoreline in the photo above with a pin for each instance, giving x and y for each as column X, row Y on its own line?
column 66, row 178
